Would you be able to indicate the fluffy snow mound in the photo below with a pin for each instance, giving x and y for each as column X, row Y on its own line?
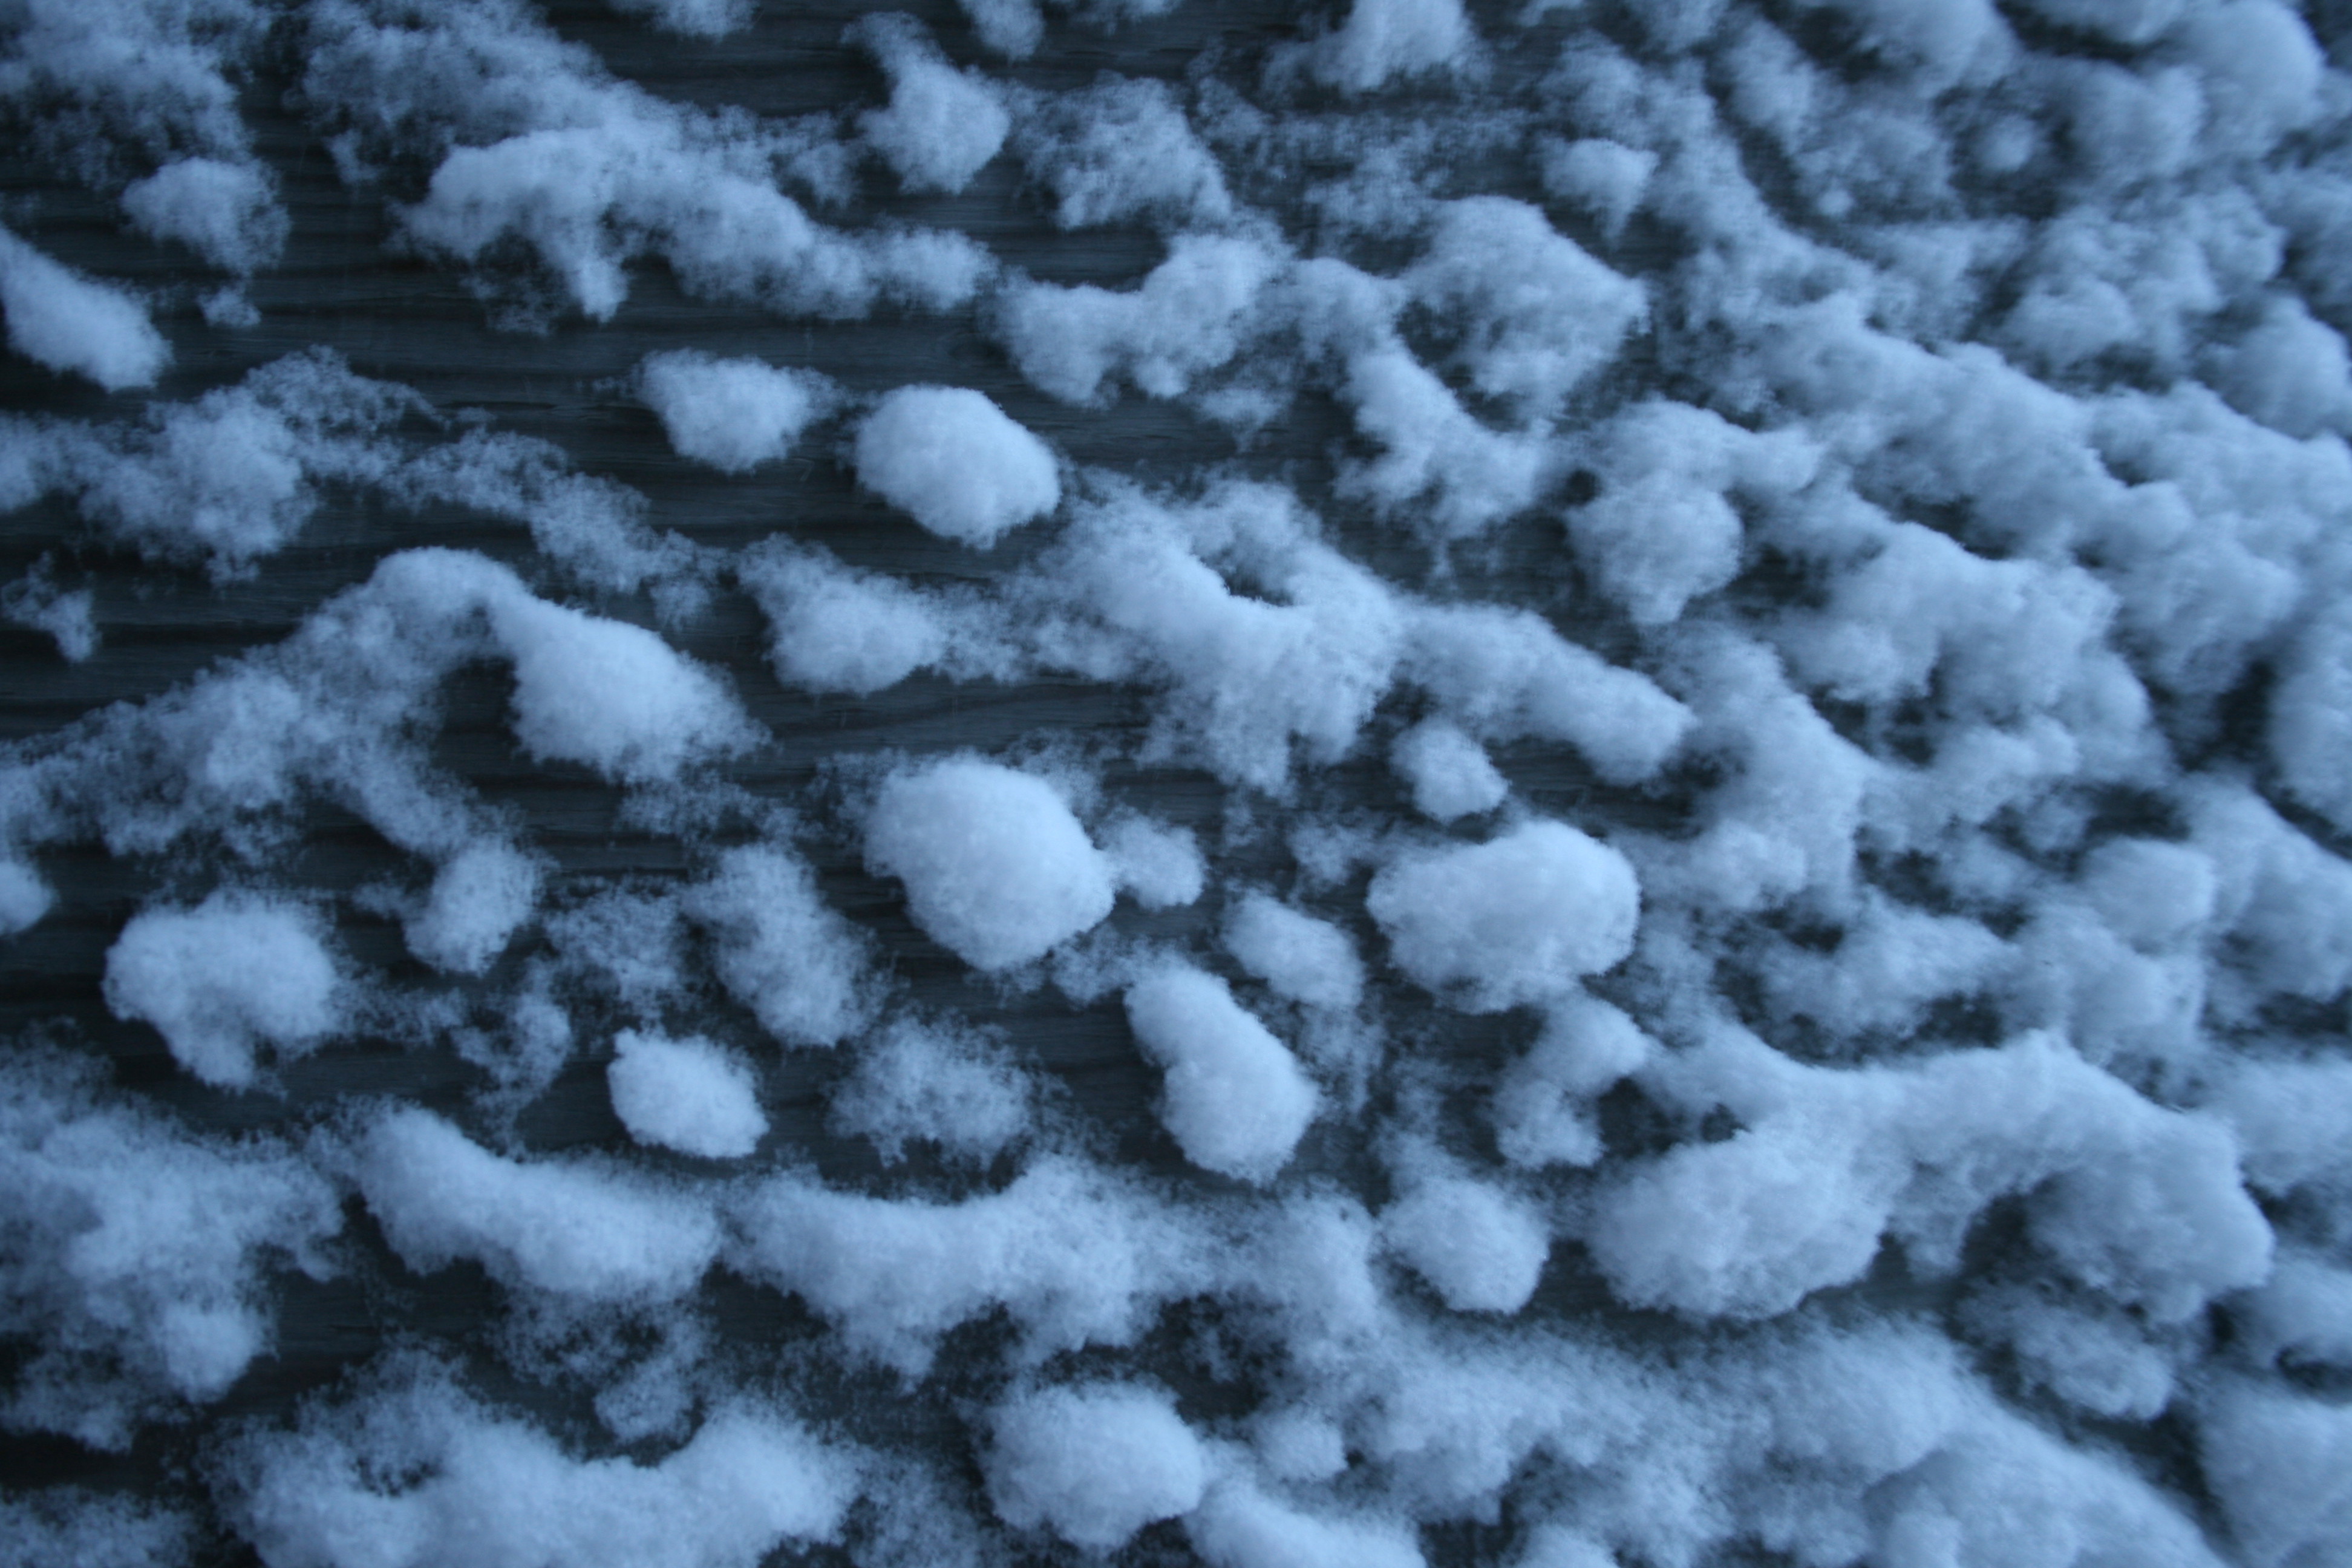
column 997, row 870
column 732, row 414
column 1093, row 1464
column 954, row 461
column 687, row 1095
column 236, row 971
column 1512, row 920
column 1236, row 1100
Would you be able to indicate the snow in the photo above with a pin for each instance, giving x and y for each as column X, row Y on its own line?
column 1536, row 314
column 495, row 1491
column 223, row 977
column 225, row 212
column 1235, row 1099
column 75, row 324
column 612, row 696
column 732, row 414
column 67, row 615
column 138, row 1252
column 917, row 1082
column 942, row 125
column 1305, row 959
column 996, row 868
column 477, row 902
column 1189, row 316
column 687, row 1094
column 570, row 1230
column 1512, row 920
column 1241, row 1527
column 839, row 629
column 1071, row 1257
column 1385, row 38
column 1450, row 774
column 1161, row 866
column 1478, row 1249
column 1118, row 150
column 952, row 459
column 1539, row 783
column 781, row 951
column 1094, row 1465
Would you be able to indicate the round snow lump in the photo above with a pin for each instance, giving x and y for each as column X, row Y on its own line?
column 1237, row 1101
column 1512, row 920
column 954, row 461
column 238, row 970
column 1096, row 1464
column 685, row 1094
column 996, row 868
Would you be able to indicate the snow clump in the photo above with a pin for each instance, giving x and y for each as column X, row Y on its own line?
column 1512, row 920
column 952, row 461
column 685, row 1094
column 996, row 868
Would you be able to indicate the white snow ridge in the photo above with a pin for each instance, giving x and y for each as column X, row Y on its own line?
column 1370, row 783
